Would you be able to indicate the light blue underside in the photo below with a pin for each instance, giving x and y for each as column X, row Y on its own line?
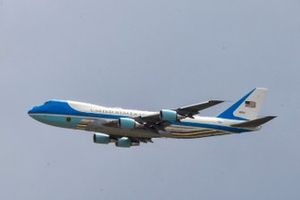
column 59, row 121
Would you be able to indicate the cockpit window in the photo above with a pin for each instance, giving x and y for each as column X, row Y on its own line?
column 47, row 102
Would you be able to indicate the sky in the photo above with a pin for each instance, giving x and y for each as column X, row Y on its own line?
column 149, row 55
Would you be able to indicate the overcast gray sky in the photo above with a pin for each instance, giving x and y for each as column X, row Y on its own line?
column 149, row 55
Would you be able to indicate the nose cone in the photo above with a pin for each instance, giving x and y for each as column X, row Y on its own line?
column 32, row 113
column 34, row 110
column 35, row 113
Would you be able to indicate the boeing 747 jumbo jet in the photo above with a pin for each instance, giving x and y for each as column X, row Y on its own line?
column 128, row 128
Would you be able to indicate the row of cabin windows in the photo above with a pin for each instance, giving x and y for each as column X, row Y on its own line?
column 118, row 112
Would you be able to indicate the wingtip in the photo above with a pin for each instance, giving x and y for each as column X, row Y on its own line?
column 273, row 117
column 261, row 88
column 216, row 101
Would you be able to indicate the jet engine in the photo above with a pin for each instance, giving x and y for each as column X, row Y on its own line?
column 128, row 123
column 101, row 138
column 169, row 115
column 124, row 142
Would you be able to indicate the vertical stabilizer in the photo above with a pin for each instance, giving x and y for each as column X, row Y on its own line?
column 246, row 108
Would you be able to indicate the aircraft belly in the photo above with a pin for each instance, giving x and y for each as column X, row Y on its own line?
column 173, row 131
column 96, row 125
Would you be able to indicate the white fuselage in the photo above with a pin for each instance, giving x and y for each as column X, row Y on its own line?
column 89, row 117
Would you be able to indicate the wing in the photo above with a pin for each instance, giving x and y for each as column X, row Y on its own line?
column 185, row 111
column 194, row 109
column 154, row 120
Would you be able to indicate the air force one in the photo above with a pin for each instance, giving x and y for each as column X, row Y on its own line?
column 128, row 128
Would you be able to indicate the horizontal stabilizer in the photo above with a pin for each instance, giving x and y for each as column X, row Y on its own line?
column 254, row 123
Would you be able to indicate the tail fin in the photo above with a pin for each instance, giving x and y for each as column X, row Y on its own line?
column 246, row 108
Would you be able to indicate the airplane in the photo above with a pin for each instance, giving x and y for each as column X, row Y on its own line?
column 127, row 128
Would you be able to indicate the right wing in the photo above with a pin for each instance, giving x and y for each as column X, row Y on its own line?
column 191, row 110
column 155, row 121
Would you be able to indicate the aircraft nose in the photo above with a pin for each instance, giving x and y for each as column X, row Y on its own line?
column 33, row 110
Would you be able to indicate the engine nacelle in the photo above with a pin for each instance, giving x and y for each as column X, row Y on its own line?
column 169, row 115
column 124, row 142
column 128, row 123
column 101, row 138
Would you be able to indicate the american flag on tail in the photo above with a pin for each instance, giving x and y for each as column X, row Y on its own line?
column 250, row 104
